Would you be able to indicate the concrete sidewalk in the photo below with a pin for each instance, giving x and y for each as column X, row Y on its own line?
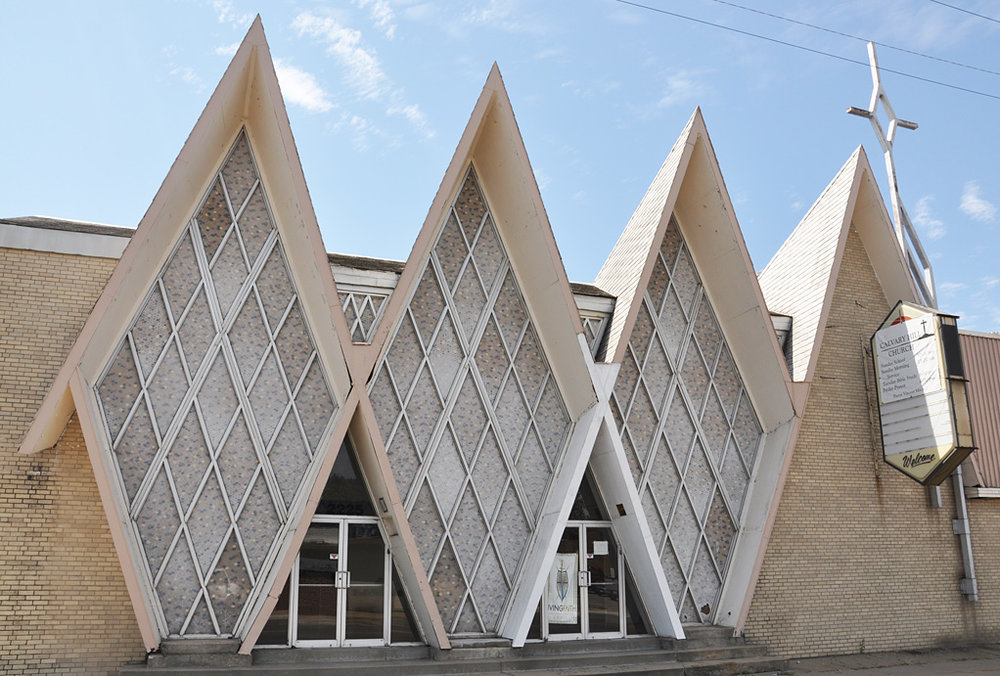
column 944, row 661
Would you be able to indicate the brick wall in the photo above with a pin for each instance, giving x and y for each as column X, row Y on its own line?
column 63, row 602
column 858, row 560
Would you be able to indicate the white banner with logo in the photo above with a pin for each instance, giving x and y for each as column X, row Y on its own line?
column 562, row 592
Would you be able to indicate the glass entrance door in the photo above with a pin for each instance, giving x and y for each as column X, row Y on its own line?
column 584, row 593
column 340, row 584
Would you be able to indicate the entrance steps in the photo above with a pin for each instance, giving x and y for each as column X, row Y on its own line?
column 708, row 651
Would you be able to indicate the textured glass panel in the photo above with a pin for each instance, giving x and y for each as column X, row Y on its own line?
column 423, row 410
column 490, row 589
column 491, row 360
column 489, row 254
column 136, row 450
column 470, row 300
column 229, row 273
column 446, row 474
column 384, row 402
column 217, row 400
column 294, row 346
column 347, row 301
column 367, row 315
column 447, row 584
column 531, row 366
column 509, row 311
column 734, row 478
column 208, row 523
column 446, row 357
column 672, row 570
column 657, row 374
column 664, row 478
column 684, row 531
column 747, row 430
column 705, row 582
column 151, row 331
column 255, row 225
column 642, row 333
column 405, row 355
column 716, row 427
column 695, row 377
column 213, row 219
column 658, row 280
column 689, row 611
column 238, row 172
column 119, row 388
column 158, row 521
column 642, row 421
column 727, row 381
column 426, row 525
column 512, row 415
column 468, row 418
column 552, row 420
column 490, row 474
column 249, row 338
column 685, row 280
column 699, row 481
column 315, row 404
column 451, row 250
column 237, row 462
column 274, row 287
column 511, row 531
column 706, row 331
column 403, row 459
column 468, row 623
column 178, row 587
column 468, row 530
column 719, row 531
column 167, row 387
column 427, row 304
column 628, row 375
column 229, row 587
column 289, row 459
column 679, row 430
column 181, row 276
column 258, row 524
column 201, row 621
column 197, row 332
column 671, row 242
column 533, row 471
column 673, row 325
column 268, row 398
column 188, row 458
column 656, row 528
column 470, row 205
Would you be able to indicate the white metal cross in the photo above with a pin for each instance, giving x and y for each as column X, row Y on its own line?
column 906, row 234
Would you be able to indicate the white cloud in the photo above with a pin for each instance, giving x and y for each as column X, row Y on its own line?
column 227, row 50
column 681, row 86
column 990, row 282
column 381, row 15
column 952, row 288
column 364, row 71
column 188, row 76
column 974, row 206
column 300, row 88
column 226, row 13
column 416, row 117
column 924, row 219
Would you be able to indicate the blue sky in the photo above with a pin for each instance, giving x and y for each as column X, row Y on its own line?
column 100, row 96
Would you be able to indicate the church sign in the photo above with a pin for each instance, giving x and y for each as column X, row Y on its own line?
column 923, row 406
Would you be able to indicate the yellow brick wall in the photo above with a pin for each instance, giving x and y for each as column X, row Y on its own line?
column 858, row 560
column 63, row 602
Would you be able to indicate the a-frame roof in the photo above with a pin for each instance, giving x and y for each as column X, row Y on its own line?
column 242, row 135
column 690, row 186
column 800, row 278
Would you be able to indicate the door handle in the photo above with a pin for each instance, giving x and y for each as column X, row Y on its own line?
column 583, row 578
column 343, row 579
